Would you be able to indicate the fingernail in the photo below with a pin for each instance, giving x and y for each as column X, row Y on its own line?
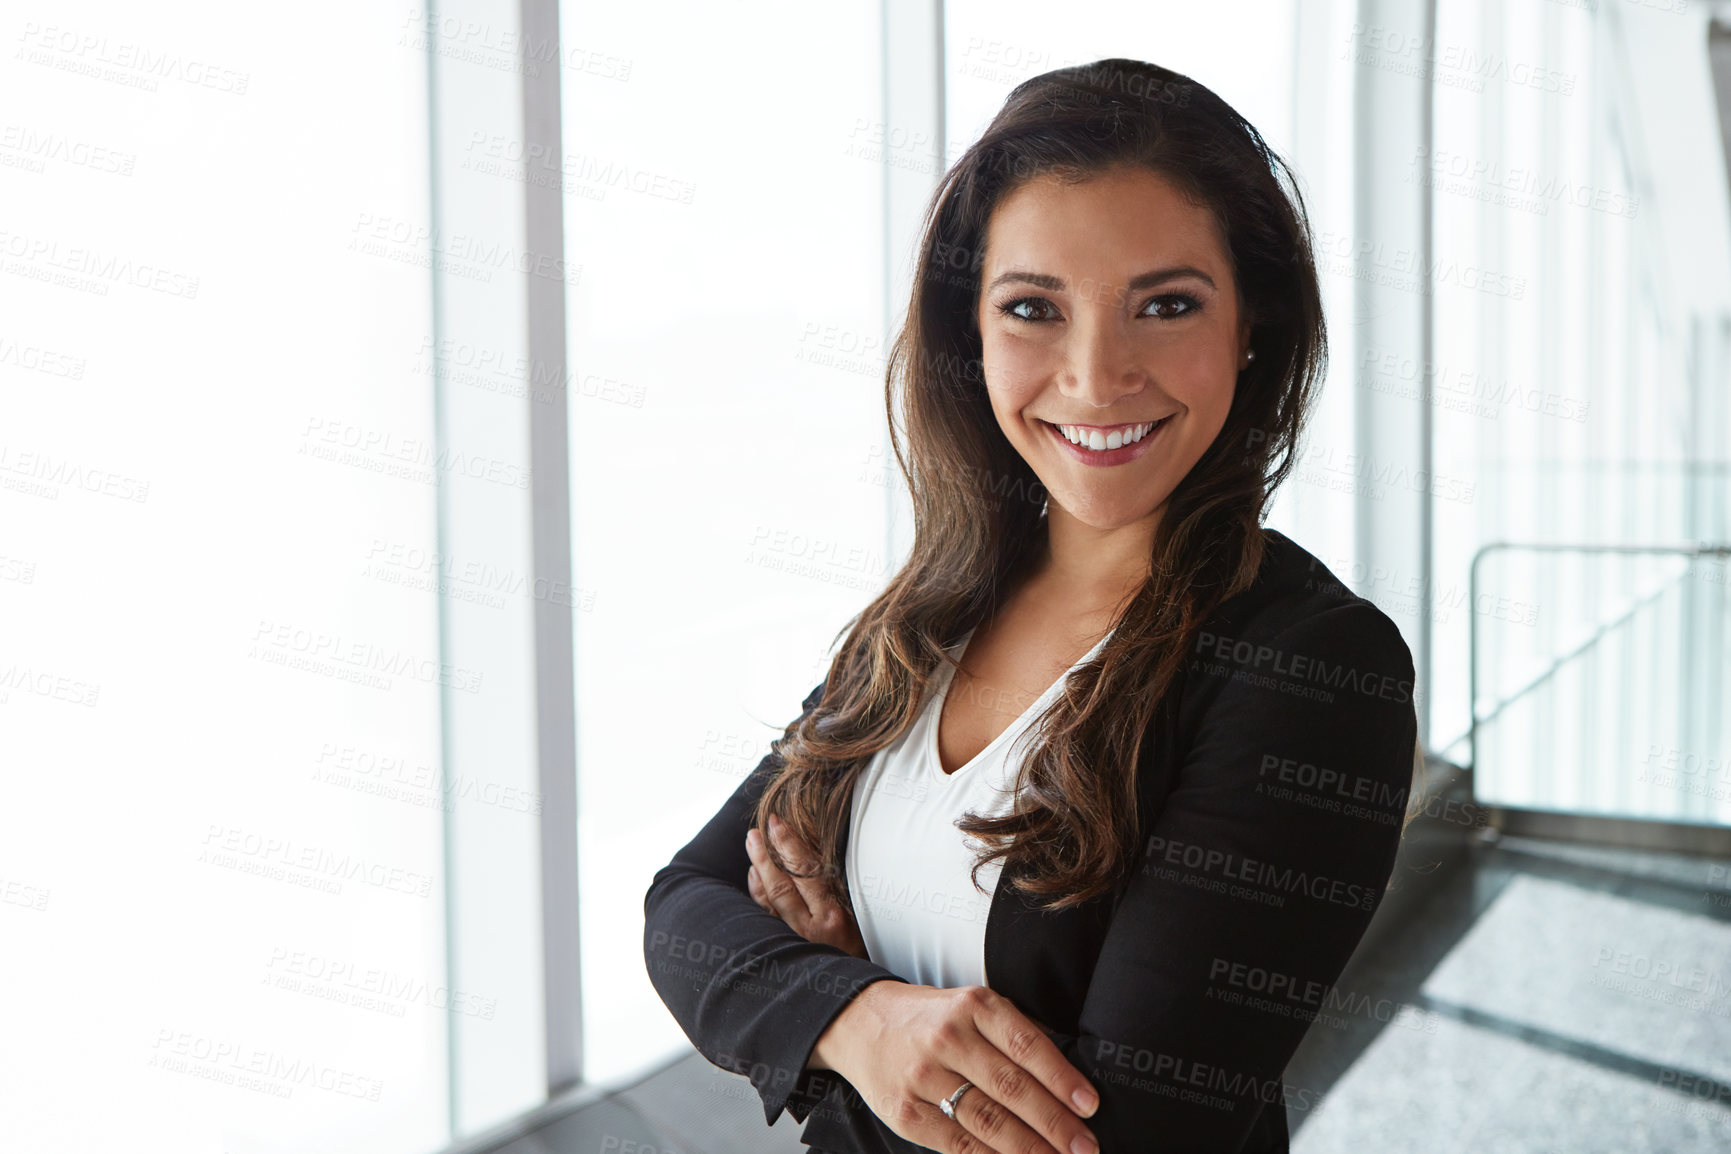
column 1086, row 1102
column 1084, row 1145
column 751, row 838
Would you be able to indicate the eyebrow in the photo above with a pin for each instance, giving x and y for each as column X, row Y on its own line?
column 1138, row 282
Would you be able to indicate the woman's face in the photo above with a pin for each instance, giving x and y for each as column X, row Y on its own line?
column 1106, row 306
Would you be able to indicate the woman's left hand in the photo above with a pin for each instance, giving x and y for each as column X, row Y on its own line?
column 803, row 903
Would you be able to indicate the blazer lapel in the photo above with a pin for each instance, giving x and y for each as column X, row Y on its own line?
column 1042, row 960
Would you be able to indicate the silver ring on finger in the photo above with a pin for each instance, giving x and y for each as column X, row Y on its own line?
column 948, row 1105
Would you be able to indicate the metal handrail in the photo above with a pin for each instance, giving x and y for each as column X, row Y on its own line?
column 1547, row 547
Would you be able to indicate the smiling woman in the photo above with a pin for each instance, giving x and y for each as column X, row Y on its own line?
column 996, row 878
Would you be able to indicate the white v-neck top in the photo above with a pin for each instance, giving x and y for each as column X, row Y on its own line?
column 907, row 865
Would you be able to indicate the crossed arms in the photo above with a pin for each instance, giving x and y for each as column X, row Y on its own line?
column 1256, row 882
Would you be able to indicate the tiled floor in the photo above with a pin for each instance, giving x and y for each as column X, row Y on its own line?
column 1563, row 998
column 1544, row 997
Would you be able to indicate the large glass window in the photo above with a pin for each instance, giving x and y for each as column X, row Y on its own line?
column 1575, row 390
column 728, row 479
column 221, row 886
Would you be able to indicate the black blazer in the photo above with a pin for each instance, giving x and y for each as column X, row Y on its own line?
column 1272, row 791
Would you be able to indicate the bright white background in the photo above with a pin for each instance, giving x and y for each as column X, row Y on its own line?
column 171, row 543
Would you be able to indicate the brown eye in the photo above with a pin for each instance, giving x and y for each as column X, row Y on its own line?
column 1008, row 308
column 1189, row 305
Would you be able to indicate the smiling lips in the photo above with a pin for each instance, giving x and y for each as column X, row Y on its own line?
column 1104, row 446
column 1103, row 438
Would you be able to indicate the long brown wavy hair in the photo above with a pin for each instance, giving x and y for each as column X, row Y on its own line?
column 979, row 515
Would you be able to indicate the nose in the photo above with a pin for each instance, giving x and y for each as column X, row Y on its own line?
column 1101, row 366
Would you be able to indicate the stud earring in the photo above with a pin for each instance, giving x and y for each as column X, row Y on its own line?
column 1249, row 355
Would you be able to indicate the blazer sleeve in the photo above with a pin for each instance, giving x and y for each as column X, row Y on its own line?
column 1255, row 884
column 751, row 994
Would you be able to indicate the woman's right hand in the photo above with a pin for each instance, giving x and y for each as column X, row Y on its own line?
column 906, row 1047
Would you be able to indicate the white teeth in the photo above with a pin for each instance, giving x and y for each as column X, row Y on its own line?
column 1116, row 439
